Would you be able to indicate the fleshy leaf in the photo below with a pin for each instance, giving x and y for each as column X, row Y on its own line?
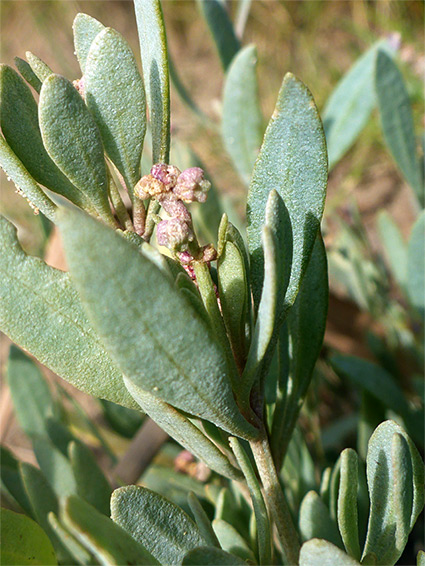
column 153, row 48
column 73, row 141
column 162, row 527
column 51, row 324
column 293, row 161
column 315, row 521
column 40, row 68
column 154, row 343
column 25, row 69
column 231, row 541
column 347, row 503
column 210, row 556
column 55, row 467
column 318, row 552
column 242, row 119
column 85, row 30
column 397, row 121
column 416, row 265
column 23, row 541
column 115, row 96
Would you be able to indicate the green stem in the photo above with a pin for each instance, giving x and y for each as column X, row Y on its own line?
column 276, row 499
column 139, row 216
column 118, row 204
column 153, row 209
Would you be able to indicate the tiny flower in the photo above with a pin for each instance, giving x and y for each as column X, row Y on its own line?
column 191, row 185
column 175, row 234
column 167, row 174
column 80, row 86
column 148, row 187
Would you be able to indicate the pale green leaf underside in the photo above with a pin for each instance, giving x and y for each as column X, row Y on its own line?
column 115, row 96
column 85, row 30
column 162, row 527
column 42, row 313
column 347, row 503
column 416, row 264
column 39, row 67
column 159, row 341
column 293, row 161
column 318, row 552
column 242, row 119
column 315, row 520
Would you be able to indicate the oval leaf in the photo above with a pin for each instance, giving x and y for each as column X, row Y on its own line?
column 85, row 30
column 347, row 503
column 292, row 161
column 416, row 265
column 165, row 348
column 315, row 520
column 317, row 552
column 40, row 68
column 115, row 96
column 25, row 69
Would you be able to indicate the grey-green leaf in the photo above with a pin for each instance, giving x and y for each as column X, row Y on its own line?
column 73, row 141
column 25, row 69
column 76, row 549
column 162, row 527
column 242, row 119
column 109, row 543
column 315, row 521
column 115, row 96
column 202, row 520
column 416, row 264
column 184, row 431
column 55, row 466
column 153, row 48
column 318, row 552
column 221, row 29
column 40, row 68
column 154, row 343
column 231, row 541
column 210, row 556
column 347, row 503
column 397, row 121
column 85, row 30
column 293, row 161
column 51, row 323
column 350, row 104
column 392, row 481
column 24, row 183
column 395, row 247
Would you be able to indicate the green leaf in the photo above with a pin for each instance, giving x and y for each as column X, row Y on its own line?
column 51, row 324
column 315, row 521
column 40, row 68
column 293, row 161
column 85, row 30
column 162, row 527
column 317, row 552
column 77, row 550
column 395, row 477
column 420, row 560
column 242, row 119
column 23, row 541
column 24, row 183
column 126, row 422
column 395, row 247
column 19, row 123
column 153, row 48
column 91, row 482
column 231, row 541
column 154, row 343
column 416, row 264
column 109, row 543
column 115, row 96
column 73, row 141
column 221, row 29
column 59, row 434
column 31, row 396
column 397, row 121
column 56, row 468
column 350, row 104
column 25, row 69
column 11, row 481
column 184, row 432
column 211, row 556
column 202, row 521
column 347, row 503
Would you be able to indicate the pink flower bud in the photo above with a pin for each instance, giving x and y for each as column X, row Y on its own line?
column 175, row 234
column 167, row 174
column 191, row 185
column 79, row 84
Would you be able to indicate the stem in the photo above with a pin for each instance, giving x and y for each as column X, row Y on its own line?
column 275, row 498
column 153, row 209
column 139, row 216
column 118, row 204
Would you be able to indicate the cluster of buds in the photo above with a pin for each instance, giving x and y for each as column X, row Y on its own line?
column 172, row 188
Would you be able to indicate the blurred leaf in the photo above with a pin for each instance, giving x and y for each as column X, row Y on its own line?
column 292, row 160
column 394, row 246
column 51, row 324
column 55, row 467
column 40, row 68
column 85, row 30
column 25, row 69
column 395, row 476
column 221, row 29
column 11, row 480
column 31, row 396
column 416, row 264
column 92, row 486
column 73, row 141
column 162, row 527
column 23, row 541
column 242, row 119
column 184, row 93
column 231, row 541
column 420, row 560
column 125, row 422
column 315, row 521
column 347, row 503
column 397, row 121
column 19, row 123
column 123, row 292
column 59, row 434
column 184, row 432
column 115, row 96
column 109, row 543
column 202, row 520
column 350, row 104
column 211, row 556
column 317, row 552
column 24, row 183
column 77, row 551
column 153, row 48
